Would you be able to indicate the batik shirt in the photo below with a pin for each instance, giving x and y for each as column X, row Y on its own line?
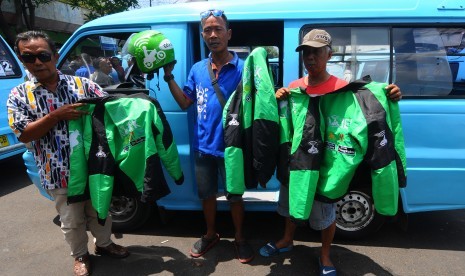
column 31, row 101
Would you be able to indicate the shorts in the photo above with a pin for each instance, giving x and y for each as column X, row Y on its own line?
column 321, row 217
column 209, row 170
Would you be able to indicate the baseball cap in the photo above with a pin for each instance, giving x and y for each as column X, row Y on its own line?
column 315, row 38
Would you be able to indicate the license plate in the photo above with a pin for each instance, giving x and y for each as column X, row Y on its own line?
column 4, row 141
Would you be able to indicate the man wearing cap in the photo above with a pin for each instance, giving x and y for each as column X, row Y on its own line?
column 316, row 52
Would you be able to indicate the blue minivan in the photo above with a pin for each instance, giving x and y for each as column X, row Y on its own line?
column 11, row 74
column 417, row 44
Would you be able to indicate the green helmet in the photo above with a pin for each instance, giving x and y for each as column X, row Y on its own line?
column 151, row 49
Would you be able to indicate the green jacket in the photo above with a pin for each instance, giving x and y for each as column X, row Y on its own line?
column 300, row 150
column 362, row 125
column 250, row 121
column 117, row 149
column 358, row 124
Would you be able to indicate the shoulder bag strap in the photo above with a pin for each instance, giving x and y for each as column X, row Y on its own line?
column 215, row 85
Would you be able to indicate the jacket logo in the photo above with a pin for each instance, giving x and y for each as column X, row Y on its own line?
column 313, row 149
column 257, row 77
column 346, row 150
column 283, row 111
column 137, row 141
column 333, row 121
column 233, row 121
column 74, row 140
column 383, row 141
column 330, row 146
column 100, row 153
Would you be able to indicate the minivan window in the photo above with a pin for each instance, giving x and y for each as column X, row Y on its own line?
column 426, row 61
column 9, row 68
column 91, row 49
column 273, row 59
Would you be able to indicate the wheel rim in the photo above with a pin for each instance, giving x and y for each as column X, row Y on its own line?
column 123, row 209
column 354, row 212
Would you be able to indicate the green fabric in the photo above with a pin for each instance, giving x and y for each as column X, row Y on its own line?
column 250, row 121
column 301, row 136
column 363, row 126
column 80, row 136
column 121, row 136
column 358, row 124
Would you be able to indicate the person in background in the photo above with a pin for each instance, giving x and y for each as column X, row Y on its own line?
column 316, row 52
column 86, row 68
column 38, row 112
column 101, row 75
column 118, row 68
column 208, row 136
column 76, row 63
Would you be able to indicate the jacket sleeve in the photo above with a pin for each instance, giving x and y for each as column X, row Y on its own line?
column 233, row 139
column 285, row 137
column 166, row 146
column 399, row 143
column 381, row 154
column 265, row 118
column 305, row 154
column 80, row 139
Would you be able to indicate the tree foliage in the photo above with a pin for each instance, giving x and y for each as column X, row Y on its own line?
column 25, row 11
column 98, row 8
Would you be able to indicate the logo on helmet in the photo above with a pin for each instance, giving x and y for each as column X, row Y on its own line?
column 151, row 49
column 166, row 44
column 152, row 57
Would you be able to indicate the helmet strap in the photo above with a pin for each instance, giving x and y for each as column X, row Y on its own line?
column 157, row 71
column 152, row 74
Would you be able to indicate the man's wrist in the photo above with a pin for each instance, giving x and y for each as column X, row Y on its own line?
column 53, row 118
column 168, row 78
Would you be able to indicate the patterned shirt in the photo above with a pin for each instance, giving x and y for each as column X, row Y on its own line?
column 31, row 101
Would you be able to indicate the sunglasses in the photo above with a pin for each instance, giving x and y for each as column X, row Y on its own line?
column 206, row 14
column 30, row 58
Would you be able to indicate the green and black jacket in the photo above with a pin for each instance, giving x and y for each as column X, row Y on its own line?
column 250, row 121
column 300, row 150
column 116, row 150
column 362, row 127
column 358, row 124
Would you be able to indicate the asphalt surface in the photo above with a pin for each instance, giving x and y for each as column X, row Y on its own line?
column 31, row 243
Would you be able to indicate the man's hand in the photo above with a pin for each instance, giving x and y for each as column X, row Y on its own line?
column 37, row 129
column 394, row 93
column 68, row 112
column 282, row 93
column 168, row 68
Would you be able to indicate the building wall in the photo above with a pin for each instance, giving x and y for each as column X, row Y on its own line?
column 149, row 3
column 55, row 17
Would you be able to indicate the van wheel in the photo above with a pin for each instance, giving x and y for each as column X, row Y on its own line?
column 356, row 216
column 128, row 213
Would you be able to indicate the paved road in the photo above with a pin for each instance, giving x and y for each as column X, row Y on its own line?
column 32, row 244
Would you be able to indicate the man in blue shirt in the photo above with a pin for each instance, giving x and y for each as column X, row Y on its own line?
column 208, row 129
column 86, row 69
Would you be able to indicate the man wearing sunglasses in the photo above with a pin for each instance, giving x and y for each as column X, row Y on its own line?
column 38, row 112
column 226, row 69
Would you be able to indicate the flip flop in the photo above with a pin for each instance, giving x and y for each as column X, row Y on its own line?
column 270, row 249
column 326, row 270
column 203, row 245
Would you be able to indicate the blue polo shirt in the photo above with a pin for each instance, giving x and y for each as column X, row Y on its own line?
column 208, row 129
column 83, row 72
